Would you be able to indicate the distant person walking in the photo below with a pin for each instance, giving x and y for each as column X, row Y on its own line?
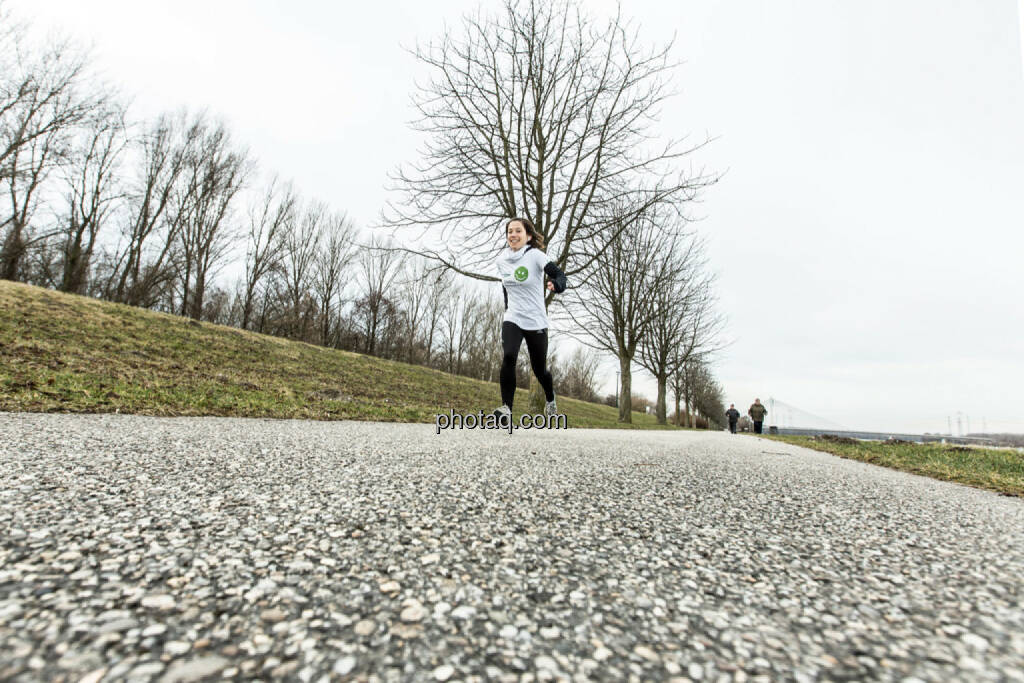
column 733, row 416
column 757, row 413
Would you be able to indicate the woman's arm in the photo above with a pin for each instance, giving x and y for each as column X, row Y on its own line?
column 557, row 277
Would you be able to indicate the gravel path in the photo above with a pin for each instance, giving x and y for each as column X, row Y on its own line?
column 177, row 549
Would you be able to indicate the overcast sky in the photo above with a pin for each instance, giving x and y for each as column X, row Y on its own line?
column 867, row 233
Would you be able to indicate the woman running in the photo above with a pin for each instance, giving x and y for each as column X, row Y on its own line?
column 521, row 267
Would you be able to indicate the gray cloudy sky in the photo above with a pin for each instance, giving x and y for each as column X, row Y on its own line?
column 867, row 233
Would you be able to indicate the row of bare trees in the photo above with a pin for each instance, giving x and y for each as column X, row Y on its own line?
column 698, row 395
column 538, row 110
column 50, row 126
column 93, row 203
column 650, row 303
column 149, row 214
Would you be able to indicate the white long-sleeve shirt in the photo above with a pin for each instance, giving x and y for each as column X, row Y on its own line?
column 522, row 275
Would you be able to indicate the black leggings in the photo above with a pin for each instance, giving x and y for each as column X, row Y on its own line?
column 537, row 344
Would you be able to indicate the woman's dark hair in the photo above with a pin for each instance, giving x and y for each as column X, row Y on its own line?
column 535, row 237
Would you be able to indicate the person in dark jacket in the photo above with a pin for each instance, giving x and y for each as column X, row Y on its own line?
column 757, row 412
column 733, row 416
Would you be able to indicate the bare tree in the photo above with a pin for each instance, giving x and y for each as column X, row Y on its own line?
column 139, row 280
column 30, row 166
column 380, row 267
column 215, row 171
column 453, row 312
column 484, row 348
column 479, row 349
column 677, row 382
column 298, row 261
column 700, row 393
column 40, row 104
column 685, row 324
column 541, row 112
column 614, row 310
column 433, row 319
column 701, row 339
column 684, row 382
column 418, row 284
column 269, row 221
column 709, row 398
column 576, row 377
column 93, row 185
column 333, row 259
column 468, row 326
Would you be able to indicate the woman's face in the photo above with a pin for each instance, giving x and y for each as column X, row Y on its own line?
column 517, row 235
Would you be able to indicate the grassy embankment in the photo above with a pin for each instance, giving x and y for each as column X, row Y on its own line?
column 65, row 353
column 1000, row 470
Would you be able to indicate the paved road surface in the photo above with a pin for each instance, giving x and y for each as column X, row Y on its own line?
column 178, row 549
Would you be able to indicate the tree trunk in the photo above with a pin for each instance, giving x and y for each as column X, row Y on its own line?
column 74, row 265
column 661, row 409
column 430, row 343
column 371, row 336
column 13, row 251
column 264, row 309
column 131, row 268
column 625, row 392
column 410, row 345
column 250, row 292
column 74, row 277
column 186, row 283
column 198, row 293
column 325, row 327
column 246, row 314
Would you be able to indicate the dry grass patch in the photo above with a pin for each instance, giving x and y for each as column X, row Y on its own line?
column 66, row 353
column 994, row 469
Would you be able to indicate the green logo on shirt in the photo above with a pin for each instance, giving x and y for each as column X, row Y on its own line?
column 521, row 274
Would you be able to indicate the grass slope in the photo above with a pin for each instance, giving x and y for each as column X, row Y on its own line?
column 1000, row 470
column 66, row 353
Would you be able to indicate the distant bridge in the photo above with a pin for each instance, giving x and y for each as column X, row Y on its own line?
column 785, row 418
column 883, row 436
